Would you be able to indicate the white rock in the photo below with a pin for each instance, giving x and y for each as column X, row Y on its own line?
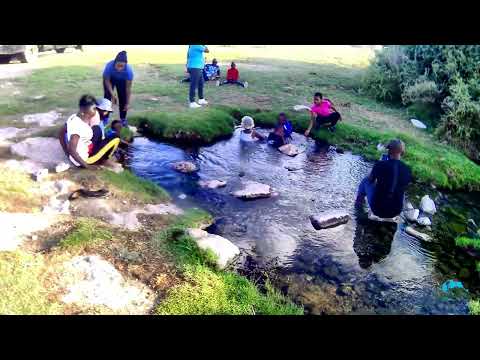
column 412, row 232
column 61, row 167
column 427, row 205
column 10, row 132
column 329, row 219
column 424, row 221
column 42, row 119
column 182, row 196
column 16, row 92
column 38, row 97
column 40, row 175
column 224, row 249
column 93, row 281
column 418, row 124
column 381, row 148
column 253, row 190
column 47, row 151
column 289, row 149
column 212, row 184
column 185, row 167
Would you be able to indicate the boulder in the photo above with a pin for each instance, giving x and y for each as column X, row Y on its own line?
column 329, row 219
column 224, row 249
column 44, row 150
column 427, row 205
column 289, row 149
column 43, row 119
column 418, row 235
column 185, row 167
column 212, row 184
column 9, row 133
column 253, row 190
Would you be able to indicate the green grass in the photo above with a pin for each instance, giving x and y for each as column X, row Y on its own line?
column 467, row 242
column 21, row 285
column 474, row 306
column 86, row 232
column 133, row 186
column 17, row 191
column 208, row 291
column 199, row 125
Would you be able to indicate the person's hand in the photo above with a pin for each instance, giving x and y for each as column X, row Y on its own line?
column 307, row 132
column 126, row 107
column 114, row 99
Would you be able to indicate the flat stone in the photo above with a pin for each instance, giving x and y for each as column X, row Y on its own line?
column 212, row 184
column 61, row 167
column 424, row 221
column 329, row 219
column 289, row 149
column 416, row 234
column 253, row 190
column 185, row 167
column 10, row 133
column 42, row 119
column 224, row 249
column 43, row 150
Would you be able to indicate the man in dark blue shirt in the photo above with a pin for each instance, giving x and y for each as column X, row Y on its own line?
column 385, row 186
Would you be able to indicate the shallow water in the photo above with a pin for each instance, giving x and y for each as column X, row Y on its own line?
column 359, row 267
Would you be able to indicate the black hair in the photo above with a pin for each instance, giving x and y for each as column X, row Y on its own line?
column 87, row 101
column 121, row 57
column 282, row 114
column 319, row 94
column 115, row 122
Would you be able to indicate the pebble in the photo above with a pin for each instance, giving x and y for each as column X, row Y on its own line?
column 34, row 237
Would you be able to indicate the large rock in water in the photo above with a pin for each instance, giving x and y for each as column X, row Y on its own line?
column 185, row 167
column 225, row 250
column 212, row 184
column 329, row 219
column 253, row 190
column 289, row 149
column 43, row 150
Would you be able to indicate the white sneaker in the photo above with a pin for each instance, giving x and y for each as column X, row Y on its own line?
column 218, row 83
column 194, row 105
column 245, row 84
column 202, row 102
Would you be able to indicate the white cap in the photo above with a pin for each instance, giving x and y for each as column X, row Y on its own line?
column 247, row 122
column 105, row 105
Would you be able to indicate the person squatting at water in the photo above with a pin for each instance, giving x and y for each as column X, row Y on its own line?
column 248, row 133
column 323, row 113
column 385, row 186
column 118, row 74
column 85, row 144
column 282, row 133
column 233, row 77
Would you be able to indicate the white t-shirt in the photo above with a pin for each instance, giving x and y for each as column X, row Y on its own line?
column 76, row 126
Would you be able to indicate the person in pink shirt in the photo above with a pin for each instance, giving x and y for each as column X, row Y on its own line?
column 323, row 114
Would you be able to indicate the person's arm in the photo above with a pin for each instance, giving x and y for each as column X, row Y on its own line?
column 312, row 119
column 72, row 149
column 108, row 85
column 373, row 174
column 205, row 49
column 258, row 136
column 61, row 138
column 129, row 93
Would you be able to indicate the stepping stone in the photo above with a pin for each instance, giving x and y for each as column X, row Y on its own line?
column 329, row 219
column 185, row 167
column 212, row 184
column 253, row 190
column 44, row 150
column 224, row 249
column 289, row 149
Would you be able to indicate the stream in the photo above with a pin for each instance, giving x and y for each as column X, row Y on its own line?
column 362, row 267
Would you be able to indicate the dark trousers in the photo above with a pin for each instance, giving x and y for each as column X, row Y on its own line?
column 99, row 144
column 236, row 82
column 121, row 86
column 196, row 83
column 275, row 140
column 330, row 120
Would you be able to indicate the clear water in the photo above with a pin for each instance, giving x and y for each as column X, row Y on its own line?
column 359, row 267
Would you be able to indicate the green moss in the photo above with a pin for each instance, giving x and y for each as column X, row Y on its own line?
column 86, row 232
column 474, row 306
column 132, row 185
column 22, row 285
column 466, row 242
column 199, row 125
column 17, row 191
column 206, row 290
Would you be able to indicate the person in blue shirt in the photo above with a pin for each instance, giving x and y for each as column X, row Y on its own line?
column 282, row 133
column 211, row 71
column 195, row 66
column 118, row 74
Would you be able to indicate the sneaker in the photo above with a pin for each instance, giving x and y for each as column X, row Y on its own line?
column 217, row 83
column 245, row 84
column 194, row 105
column 202, row 102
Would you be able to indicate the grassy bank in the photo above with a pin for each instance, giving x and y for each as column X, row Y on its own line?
column 209, row 291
